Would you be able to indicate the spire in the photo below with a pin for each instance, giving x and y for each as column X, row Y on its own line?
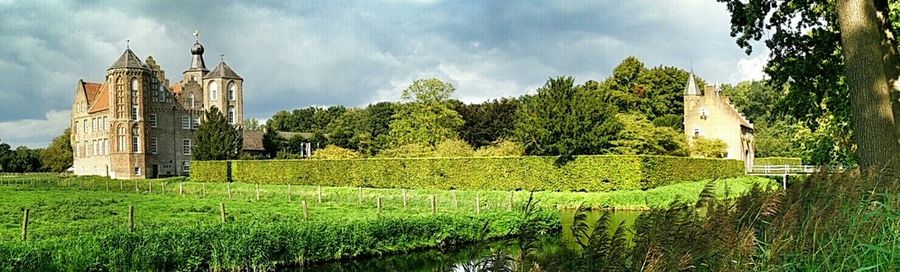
column 691, row 87
column 197, row 53
column 223, row 71
column 128, row 60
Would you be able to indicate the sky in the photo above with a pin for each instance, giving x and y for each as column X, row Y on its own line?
column 295, row 54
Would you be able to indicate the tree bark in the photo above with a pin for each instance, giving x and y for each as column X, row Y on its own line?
column 891, row 62
column 870, row 100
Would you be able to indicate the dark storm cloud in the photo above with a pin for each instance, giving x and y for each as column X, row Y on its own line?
column 300, row 53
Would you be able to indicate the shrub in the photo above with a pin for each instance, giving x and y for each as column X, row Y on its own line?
column 708, row 148
column 333, row 152
column 778, row 161
column 584, row 173
column 210, row 171
column 407, row 151
column 503, row 148
column 453, row 148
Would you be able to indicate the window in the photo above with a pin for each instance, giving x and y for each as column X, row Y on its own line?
column 105, row 123
column 134, row 91
column 134, row 112
column 162, row 93
column 213, row 91
column 135, row 147
column 76, row 127
column 231, row 89
column 87, row 148
column 120, row 98
column 186, row 146
column 77, row 149
column 185, row 122
column 153, row 120
column 154, row 145
column 155, row 95
column 137, row 171
column 231, row 115
column 195, row 123
column 696, row 132
column 186, row 167
column 703, row 113
column 193, row 104
column 85, row 128
column 93, row 124
column 105, row 146
column 95, row 147
column 121, row 139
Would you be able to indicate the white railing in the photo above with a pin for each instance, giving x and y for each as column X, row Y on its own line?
column 792, row 169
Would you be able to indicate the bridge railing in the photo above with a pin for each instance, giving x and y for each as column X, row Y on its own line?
column 792, row 169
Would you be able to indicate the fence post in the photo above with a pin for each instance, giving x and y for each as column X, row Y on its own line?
column 121, row 185
column 433, row 205
column 509, row 208
column 257, row 192
column 784, row 182
column 305, row 210
column 107, row 185
column 25, row 225
column 131, row 218
column 359, row 199
column 229, row 190
column 163, row 187
column 151, row 187
column 222, row 211
column 404, row 197
column 181, row 188
column 136, row 190
column 478, row 203
column 378, row 206
column 289, row 192
column 319, row 194
column 455, row 202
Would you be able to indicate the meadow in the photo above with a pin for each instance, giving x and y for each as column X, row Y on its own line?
column 78, row 223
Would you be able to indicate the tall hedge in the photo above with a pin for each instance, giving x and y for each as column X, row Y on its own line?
column 210, row 171
column 584, row 173
column 778, row 161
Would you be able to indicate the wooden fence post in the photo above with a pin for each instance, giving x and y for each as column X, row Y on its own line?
column 131, row 218
column 257, row 192
column 150, row 186
column 404, row 197
column 784, row 181
column 319, row 194
column 107, row 185
column 289, row 192
column 359, row 199
column 305, row 210
column 477, row 203
column 25, row 225
column 510, row 206
column 229, row 190
column 455, row 202
column 378, row 206
column 121, row 185
column 222, row 211
column 181, row 188
column 433, row 205
column 163, row 187
column 136, row 186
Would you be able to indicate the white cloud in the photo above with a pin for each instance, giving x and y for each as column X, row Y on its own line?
column 751, row 67
column 35, row 133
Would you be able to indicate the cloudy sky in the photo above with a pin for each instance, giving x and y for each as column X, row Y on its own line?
column 351, row 53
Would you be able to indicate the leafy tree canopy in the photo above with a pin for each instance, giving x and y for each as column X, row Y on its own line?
column 426, row 118
column 216, row 139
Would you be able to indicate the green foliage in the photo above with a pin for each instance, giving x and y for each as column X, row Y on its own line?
column 640, row 137
column 20, row 159
column 584, row 173
column 210, row 171
column 708, row 148
column 426, row 118
column 333, row 152
column 563, row 120
column 252, row 124
column 487, row 122
column 57, row 157
column 778, row 161
column 502, row 148
column 408, row 151
column 453, row 148
column 216, row 139
column 674, row 121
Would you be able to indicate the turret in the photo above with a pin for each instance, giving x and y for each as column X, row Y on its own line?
column 129, row 81
column 224, row 89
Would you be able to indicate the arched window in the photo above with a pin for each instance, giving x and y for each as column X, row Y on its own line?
column 213, row 91
column 231, row 115
column 120, row 98
column 120, row 140
column 135, row 142
column 76, row 127
column 191, row 98
column 231, row 90
column 134, row 90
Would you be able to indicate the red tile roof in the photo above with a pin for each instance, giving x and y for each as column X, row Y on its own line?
column 100, row 101
column 176, row 89
column 90, row 91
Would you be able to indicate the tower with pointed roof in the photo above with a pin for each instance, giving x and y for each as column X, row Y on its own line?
column 136, row 125
column 708, row 114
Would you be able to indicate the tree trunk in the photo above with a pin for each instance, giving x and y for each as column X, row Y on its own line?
column 869, row 89
column 891, row 62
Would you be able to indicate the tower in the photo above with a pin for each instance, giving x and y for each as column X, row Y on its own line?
column 198, row 67
column 129, row 81
column 224, row 89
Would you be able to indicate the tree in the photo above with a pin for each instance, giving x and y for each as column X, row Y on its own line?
column 408, row 151
column 426, row 118
column 809, row 44
column 708, row 148
column 564, row 120
column 639, row 137
column 662, row 91
column 216, row 139
column 6, row 157
column 376, row 127
column 252, row 124
column 487, row 122
column 271, row 143
column 57, row 157
column 344, row 130
column 453, row 148
column 501, row 148
column 333, row 152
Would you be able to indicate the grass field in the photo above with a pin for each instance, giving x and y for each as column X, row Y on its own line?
column 67, row 212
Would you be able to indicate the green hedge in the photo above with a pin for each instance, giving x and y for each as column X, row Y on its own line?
column 210, row 171
column 778, row 161
column 584, row 173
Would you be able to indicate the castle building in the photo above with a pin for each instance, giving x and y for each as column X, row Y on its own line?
column 710, row 115
column 135, row 124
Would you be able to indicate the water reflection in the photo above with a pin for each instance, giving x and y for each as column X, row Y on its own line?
column 473, row 257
